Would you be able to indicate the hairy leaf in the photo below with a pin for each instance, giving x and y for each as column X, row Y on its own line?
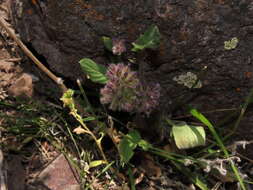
column 94, row 71
column 150, row 39
column 127, row 146
column 187, row 136
column 107, row 43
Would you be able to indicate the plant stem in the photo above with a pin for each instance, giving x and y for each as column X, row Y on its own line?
column 79, row 119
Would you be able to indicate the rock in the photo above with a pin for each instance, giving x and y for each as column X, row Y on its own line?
column 58, row 175
column 8, row 73
column 22, row 87
column 16, row 173
column 3, row 180
column 193, row 35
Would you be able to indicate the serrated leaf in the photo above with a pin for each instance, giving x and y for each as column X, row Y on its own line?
column 127, row 146
column 107, row 43
column 187, row 136
column 150, row 39
column 94, row 71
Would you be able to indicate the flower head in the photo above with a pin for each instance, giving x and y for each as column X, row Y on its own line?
column 118, row 46
column 120, row 90
column 150, row 95
column 124, row 91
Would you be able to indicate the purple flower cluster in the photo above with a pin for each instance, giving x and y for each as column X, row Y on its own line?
column 149, row 98
column 124, row 91
column 119, row 46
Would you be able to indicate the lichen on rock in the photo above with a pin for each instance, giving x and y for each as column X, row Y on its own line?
column 189, row 80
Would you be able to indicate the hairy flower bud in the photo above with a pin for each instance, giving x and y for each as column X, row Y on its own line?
column 150, row 98
column 120, row 90
column 124, row 91
column 118, row 46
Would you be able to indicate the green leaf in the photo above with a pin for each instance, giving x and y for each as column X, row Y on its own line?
column 204, row 120
column 89, row 119
column 134, row 137
column 125, row 151
column 144, row 145
column 150, row 39
column 187, row 136
column 67, row 99
column 96, row 163
column 131, row 179
column 107, row 43
column 94, row 71
column 127, row 146
column 200, row 117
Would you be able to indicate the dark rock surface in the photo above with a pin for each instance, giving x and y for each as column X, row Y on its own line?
column 193, row 35
column 58, row 175
column 16, row 173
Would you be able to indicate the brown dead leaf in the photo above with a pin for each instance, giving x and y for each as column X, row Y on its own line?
column 229, row 177
column 168, row 148
column 150, row 188
column 172, row 148
column 139, row 178
column 114, row 135
column 6, row 79
column 124, row 187
column 79, row 130
column 149, row 166
column 6, row 66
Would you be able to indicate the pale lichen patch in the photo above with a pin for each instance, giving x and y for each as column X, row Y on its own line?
column 189, row 80
column 231, row 44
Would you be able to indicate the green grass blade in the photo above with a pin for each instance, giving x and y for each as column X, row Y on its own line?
column 193, row 177
column 131, row 179
column 179, row 165
column 107, row 167
column 205, row 121
column 85, row 98
column 74, row 142
column 249, row 100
